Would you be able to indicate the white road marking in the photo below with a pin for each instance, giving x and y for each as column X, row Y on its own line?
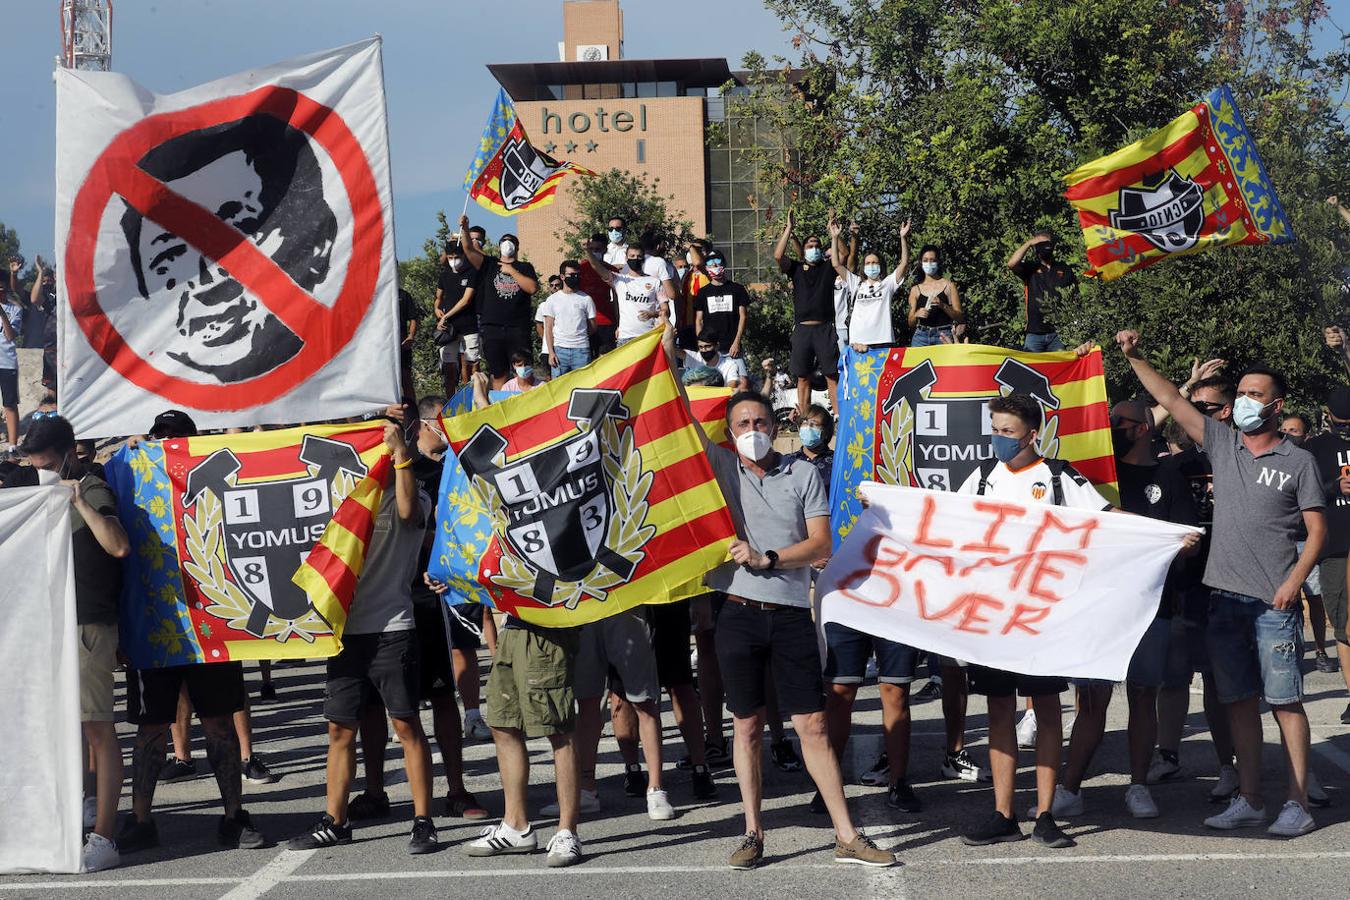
column 281, row 867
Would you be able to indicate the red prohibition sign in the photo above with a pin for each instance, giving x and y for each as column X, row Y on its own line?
column 324, row 331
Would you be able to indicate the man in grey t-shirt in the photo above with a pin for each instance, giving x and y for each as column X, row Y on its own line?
column 781, row 510
column 1265, row 492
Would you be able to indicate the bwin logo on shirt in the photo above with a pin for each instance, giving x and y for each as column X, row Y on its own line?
column 1269, row 476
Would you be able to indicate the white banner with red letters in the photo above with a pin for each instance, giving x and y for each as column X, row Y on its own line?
column 1025, row 587
column 228, row 249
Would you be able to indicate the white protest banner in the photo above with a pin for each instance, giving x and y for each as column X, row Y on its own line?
column 1025, row 587
column 227, row 250
column 41, row 779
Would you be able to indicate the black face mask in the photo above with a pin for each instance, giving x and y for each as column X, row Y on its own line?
column 635, row 263
column 572, row 281
column 708, row 355
column 1121, row 439
column 1296, row 441
column 1045, row 253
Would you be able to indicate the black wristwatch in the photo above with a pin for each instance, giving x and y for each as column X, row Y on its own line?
column 772, row 557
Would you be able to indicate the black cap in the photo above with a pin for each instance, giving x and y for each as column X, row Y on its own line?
column 173, row 423
column 1339, row 402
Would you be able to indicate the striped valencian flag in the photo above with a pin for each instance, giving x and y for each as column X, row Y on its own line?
column 918, row 416
column 597, row 493
column 508, row 175
column 1194, row 184
column 221, row 524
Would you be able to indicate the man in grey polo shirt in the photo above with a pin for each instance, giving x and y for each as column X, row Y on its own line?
column 781, row 509
column 1266, row 492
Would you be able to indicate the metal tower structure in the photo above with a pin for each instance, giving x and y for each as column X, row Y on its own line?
column 86, row 35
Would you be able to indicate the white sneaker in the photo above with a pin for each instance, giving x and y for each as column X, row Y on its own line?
column 502, row 838
column 564, row 849
column 90, row 811
column 1292, row 821
column 475, row 729
column 658, row 806
column 1162, row 769
column 1226, row 787
column 588, row 802
column 1239, row 814
column 1065, row 805
column 101, row 853
column 1026, row 730
column 1140, row 803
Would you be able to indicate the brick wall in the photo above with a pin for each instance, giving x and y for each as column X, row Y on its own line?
column 592, row 22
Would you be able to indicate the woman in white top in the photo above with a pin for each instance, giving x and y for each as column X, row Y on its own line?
column 934, row 303
column 870, row 323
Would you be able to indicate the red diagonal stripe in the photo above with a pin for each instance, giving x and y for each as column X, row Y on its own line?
column 1081, row 419
column 1164, row 159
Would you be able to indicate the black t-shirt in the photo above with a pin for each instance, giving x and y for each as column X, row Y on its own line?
column 452, row 285
column 1040, row 284
column 1161, row 491
column 812, row 292
column 500, row 300
column 1333, row 461
column 721, row 306
column 408, row 310
column 427, row 471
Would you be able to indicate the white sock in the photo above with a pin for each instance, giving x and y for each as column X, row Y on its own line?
column 508, row 831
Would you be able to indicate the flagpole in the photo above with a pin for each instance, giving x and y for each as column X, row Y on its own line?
column 465, row 211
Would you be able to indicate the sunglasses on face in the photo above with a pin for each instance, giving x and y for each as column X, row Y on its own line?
column 45, row 414
column 1207, row 409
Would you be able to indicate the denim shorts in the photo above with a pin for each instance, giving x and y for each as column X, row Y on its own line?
column 847, row 652
column 1255, row 649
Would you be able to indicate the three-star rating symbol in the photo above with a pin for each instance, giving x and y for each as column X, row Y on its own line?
column 570, row 146
column 550, row 147
column 590, row 146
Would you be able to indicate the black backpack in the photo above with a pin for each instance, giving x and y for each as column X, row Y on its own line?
column 1057, row 467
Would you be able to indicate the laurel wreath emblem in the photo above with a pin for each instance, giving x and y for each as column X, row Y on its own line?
column 627, row 533
column 204, row 537
column 896, row 436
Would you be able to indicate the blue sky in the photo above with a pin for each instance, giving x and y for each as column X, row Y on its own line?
column 435, row 56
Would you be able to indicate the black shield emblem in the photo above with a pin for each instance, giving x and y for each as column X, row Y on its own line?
column 524, row 170
column 1168, row 212
column 269, row 527
column 559, row 500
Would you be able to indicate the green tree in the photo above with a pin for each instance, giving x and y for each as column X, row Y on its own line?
column 965, row 115
column 638, row 201
column 418, row 277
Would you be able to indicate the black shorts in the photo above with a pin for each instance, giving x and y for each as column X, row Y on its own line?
column 998, row 683
column 436, row 677
column 462, row 637
column 602, row 339
column 9, row 388
column 814, row 347
column 498, row 342
column 670, row 640
column 214, row 689
column 753, row 641
column 372, row 664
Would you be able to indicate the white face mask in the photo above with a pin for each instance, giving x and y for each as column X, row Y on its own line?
column 457, row 263
column 508, row 248
column 689, row 257
column 754, row 445
column 930, row 268
column 872, row 270
column 46, row 478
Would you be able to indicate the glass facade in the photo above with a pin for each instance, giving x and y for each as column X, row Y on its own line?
column 739, row 208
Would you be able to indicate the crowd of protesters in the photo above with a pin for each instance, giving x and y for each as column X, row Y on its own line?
column 1268, row 485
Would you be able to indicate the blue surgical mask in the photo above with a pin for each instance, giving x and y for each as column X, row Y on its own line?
column 524, row 372
column 930, row 268
column 615, row 236
column 810, row 436
column 813, row 255
column 1006, row 448
column 872, row 270
column 1248, row 414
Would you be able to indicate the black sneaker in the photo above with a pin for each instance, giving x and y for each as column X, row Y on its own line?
column 1047, row 832
column 817, row 805
column 704, row 786
column 1345, row 716
column 784, row 757
column 326, row 833
column 267, row 692
column 717, row 753
column 930, row 691
column 1325, row 663
column 901, row 796
column 368, row 806
column 178, row 770
column 135, row 835
column 256, row 772
column 634, row 782
column 239, row 833
column 423, row 838
column 998, row 829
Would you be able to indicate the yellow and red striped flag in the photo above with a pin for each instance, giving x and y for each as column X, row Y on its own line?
column 918, row 416
column 1194, row 184
column 508, row 175
column 598, row 492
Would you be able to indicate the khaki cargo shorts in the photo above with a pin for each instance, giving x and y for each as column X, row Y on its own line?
column 531, row 685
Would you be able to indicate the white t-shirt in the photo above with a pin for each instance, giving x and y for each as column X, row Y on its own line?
column 616, row 254
column 657, row 267
column 635, row 293
column 539, row 314
column 1034, row 484
column 732, row 369
column 570, row 314
column 871, row 321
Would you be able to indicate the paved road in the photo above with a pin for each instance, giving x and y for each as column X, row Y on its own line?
column 629, row 856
